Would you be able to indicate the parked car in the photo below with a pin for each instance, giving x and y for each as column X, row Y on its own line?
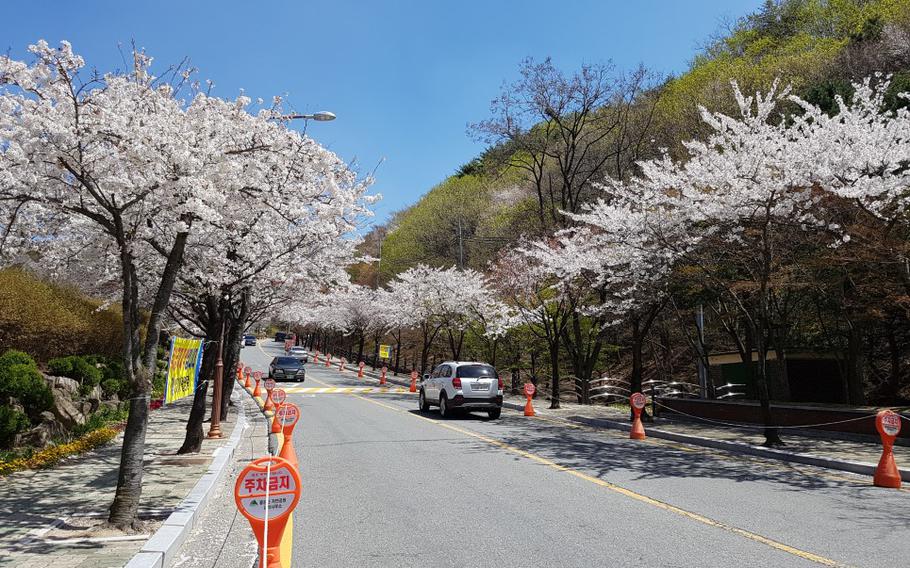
column 280, row 336
column 300, row 353
column 249, row 340
column 462, row 385
column 287, row 369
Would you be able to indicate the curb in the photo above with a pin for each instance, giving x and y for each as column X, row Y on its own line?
column 734, row 447
column 159, row 550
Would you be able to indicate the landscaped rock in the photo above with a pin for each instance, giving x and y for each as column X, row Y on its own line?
column 63, row 383
column 66, row 412
column 37, row 437
column 85, row 407
column 94, row 403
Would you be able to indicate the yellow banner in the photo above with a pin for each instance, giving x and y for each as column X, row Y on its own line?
column 182, row 368
column 385, row 351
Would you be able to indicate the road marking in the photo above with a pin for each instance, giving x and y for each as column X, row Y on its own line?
column 344, row 390
column 622, row 490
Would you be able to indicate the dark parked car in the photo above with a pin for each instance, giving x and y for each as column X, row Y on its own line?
column 280, row 336
column 287, row 369
column 249, row 340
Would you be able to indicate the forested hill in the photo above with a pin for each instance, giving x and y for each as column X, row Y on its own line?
column 816, row 46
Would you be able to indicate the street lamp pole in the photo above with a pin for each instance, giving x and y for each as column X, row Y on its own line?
column 215, row 427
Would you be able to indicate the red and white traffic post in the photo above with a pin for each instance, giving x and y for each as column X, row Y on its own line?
column 278, row 397
column 530, row 389
column 257, row 376
column 637, row 401
column 266, row 492
column 269, row 385
column 288, row 414
column 888, row 425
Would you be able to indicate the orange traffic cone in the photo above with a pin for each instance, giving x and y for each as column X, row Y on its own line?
column 382, row 376
column 316, row 357
column 276, row 426
column 328, row 360
column 246, row 383
column 529, row 408
column 360, row 372
column 287, row 452
column 413, row 387
column 269, row 406
column 341, row 364
column 256, row 391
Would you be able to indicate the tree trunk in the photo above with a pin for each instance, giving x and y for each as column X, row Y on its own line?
column 554, row 372
column 397, row 352
column 856, row 364
column 124, row 511
column 232, row 353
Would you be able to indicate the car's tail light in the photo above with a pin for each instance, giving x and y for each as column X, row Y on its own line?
column 499, row 384
column 456, row 383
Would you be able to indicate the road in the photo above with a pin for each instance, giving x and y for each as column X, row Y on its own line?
column 387, row 485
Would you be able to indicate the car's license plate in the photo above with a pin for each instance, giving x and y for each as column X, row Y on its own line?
column 479, row 386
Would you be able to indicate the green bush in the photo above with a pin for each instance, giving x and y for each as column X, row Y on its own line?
column 11, row 423
column 61, row 366
column 13, row 357
column 112, row 386
column 80, row 368
column 24, row 383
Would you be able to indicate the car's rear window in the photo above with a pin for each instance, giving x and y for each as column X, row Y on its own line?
column 286, row 361
column 475, row 371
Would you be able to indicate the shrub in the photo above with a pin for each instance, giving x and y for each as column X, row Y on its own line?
column 82, row 369
column 112, row 386
column 61, row 366
column 13, row 357
column 24, row 383
column 48, row 319
column 11, row 423
column 85, row 372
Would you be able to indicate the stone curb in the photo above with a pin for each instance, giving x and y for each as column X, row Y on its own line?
column 735, row 447
column 160, row 548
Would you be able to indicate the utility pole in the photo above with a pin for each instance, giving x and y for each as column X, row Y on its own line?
column 460, row 248
column 379, row 266
column 702, row 371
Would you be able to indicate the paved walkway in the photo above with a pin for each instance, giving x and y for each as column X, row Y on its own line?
column 45, row 514
column 221, row 536
column 824, row 444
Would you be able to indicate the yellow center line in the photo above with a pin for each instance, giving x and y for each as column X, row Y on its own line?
column 621, row 490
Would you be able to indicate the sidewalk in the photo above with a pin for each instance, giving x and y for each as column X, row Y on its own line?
column 221, row 537
column 814, row 448
column 50, row 518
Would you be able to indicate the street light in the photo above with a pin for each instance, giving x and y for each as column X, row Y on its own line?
column 321, row 116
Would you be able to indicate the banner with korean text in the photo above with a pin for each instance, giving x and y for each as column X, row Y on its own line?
column 183, row 368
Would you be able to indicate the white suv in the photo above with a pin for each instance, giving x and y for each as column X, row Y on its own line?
column 464, row 385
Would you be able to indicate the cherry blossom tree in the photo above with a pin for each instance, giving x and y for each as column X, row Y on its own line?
column 531, row 289
column 122, row 161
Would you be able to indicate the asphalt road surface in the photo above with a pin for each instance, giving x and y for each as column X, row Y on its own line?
column 387, row 485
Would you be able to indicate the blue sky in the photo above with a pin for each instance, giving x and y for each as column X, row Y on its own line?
column 404, row 77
